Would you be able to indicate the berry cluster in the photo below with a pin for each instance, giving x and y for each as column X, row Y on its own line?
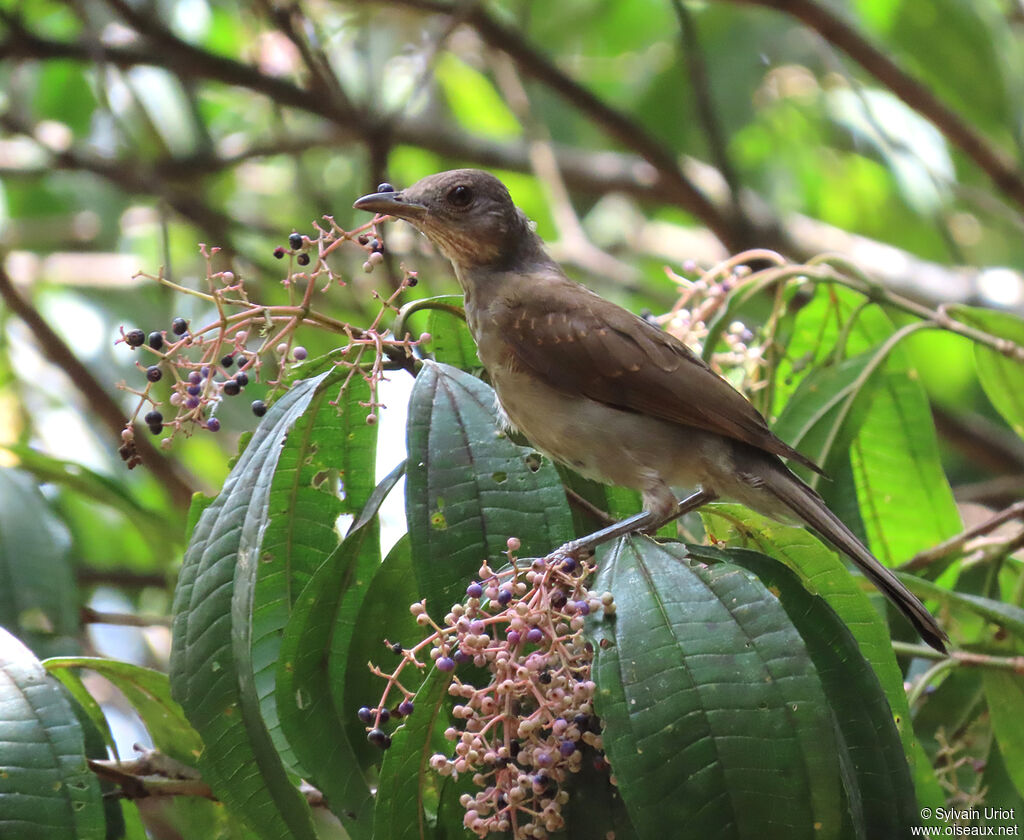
column 532, row 725
column 205, row 365
column 700, row 301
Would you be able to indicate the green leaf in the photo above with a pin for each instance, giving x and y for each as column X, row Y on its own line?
column 217, row 621
column 149, row 693
column 474, row 102
column 406, row 781
column 47, row 791
column 703, row 665
column 1001, row 377
column 328, row 448
column 879, row 788
column 823, row 573
column 1004, row 692
column 451, row 342
column 38, row 596
column 469, row 488
column 1006, row 615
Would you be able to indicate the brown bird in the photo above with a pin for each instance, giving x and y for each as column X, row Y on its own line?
column 606, row 392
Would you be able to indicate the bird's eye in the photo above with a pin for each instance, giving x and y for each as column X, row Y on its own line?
column 460, row 196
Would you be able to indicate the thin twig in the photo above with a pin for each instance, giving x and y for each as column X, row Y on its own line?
column 91, row 616
column 961, row 657
column 955, row 544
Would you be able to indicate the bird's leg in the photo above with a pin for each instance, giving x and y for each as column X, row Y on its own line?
column 637, row 522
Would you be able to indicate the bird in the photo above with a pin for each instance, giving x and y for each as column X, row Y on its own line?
column 604, row 391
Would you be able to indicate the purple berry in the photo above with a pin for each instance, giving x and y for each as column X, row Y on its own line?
column 195, row 377
column 513, row 637
column 534, row 635
column 194, row 390
column 135, row 338
column 213, row 424
column 385, row 716
column 259, row 408
column 504, row 596
column 583, row 608
column 242, row 378
column 154, row 374
column 156, row 429
column 231, row 387
column 204, row 371
column 542, row 758
column 461, row 657
column 568, row 565
column 300, row 353
column 446, row 663
column 365, row 714
column 567, row 748
column 156, row 340
column 154, row 418
column 405, row 708
column 179, row 326
column 192, row 402
column 474, row 590
column 379, row 738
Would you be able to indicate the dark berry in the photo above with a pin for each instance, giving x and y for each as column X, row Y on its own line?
column 192, row 402
column 179, row 326
column 231, row 387
column 279, row 252
column 154, row 374
column 474, row 590
column 405, row 708
column 362, row 239
column 194, row 390
column 204, row 371
column 242, row 378
column 227, row 361
column 411, row 281
column 213, row 424
column 569, row 565
column 295, row 240
column 302, row 259
column 156, row 340
column 446, row 663
column 558, row 599
column 375, row 245
column 504, row 596
column 365, row 714
column 385, row 716
column 385, row 187
column 154, row 418
column 379, row 738
column 259, row 408
column 461, row 657
column 396, row 648
column 567, row 748
column 194, row 377
column 534, row 635
column 544, row 678
column 135, row 338
column 156, row 429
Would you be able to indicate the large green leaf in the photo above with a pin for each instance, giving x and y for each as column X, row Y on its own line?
column 716, row 723
column 880, row 793
column 1001, row 377
column 38, row 598
column 217, row 622
column 329, row 448
column 1006, row 615
column 469, row 488
column 308, row 691
column 47, row 791
column 149, row 693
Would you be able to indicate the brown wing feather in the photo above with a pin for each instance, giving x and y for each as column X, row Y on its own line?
column 578, row 341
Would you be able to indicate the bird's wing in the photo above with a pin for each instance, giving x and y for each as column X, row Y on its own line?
column 576, row 341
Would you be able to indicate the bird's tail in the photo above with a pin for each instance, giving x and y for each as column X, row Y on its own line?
column 811, row 508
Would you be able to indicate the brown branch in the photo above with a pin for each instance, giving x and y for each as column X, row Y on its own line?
column 171, row 474
column 956, row 544
column 123, row 578
column 1004, row 173
column 91, row 616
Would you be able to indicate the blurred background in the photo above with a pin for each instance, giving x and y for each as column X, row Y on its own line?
column 637, row 134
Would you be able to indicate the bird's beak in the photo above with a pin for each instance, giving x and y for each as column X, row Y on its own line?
column 391, row 204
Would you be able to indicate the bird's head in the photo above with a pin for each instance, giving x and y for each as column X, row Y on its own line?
column 467, row 214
